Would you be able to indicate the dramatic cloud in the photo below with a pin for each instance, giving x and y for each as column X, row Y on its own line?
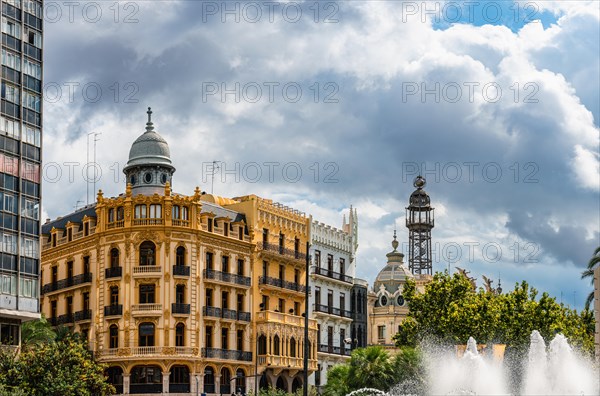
column 344, row 104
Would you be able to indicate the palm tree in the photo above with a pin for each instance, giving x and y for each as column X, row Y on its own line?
column 36, row 332
column 589, row 273
column 371, row 367
column 337, row 381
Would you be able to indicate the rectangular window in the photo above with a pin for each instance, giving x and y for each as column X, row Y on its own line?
column 240, row 302
column 147, row 294
column 225, row 263
column 10, row 128
column 208, row 337
column 225, row 338
column 32, row 135
column 342, row 302
column 11, row 93
column 32, row 69
column 265, row 303
column 265, row 269
column 240, row 267
column 9, row 203
column 210, row 224
column 225, row 300
column 69, row 305
column 33, row 37
column 318, row 258
column 32, row 101
column 30, row 208
column 342, row 266
column 381, row 333
column 30, row 171
column 11, row 60
column 9, row 165
column 29, row 248
column 140, row 211
column 9, row 243
column 209, row 260
column 11, row 28
column 317, row 295
column 86, row 301
column 155, row 211
column 114, row 295
column 281, row 305
column 209, row 297
column 9, row 284
column 296, row 308
column 32, row 7
column 240, row 340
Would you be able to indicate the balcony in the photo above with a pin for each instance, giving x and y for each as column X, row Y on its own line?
column 118, row 353
column 148, row 270
column 331, row 274
column 280, row 317
column 181, row 270
column 86, row 314
column 332, row 311
column 226, row 354
column 272, row 247
column 334, row 350
column 286, row 362
column 147, row 222
column 113, row 272
column 62, row 319
column 113, row 310
column 115, row 224
column 180, row 309
column 226, row 277
column 232, row 314
column 267, row 280
column 146, row 309
column 181, row 223
column 68, row 282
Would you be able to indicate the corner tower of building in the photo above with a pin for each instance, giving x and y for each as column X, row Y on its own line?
column 149, row 167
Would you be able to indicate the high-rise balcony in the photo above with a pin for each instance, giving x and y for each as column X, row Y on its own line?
column 281, row 250
column 232, row 314
column 113, row 272
column 181, row 270
column 281, row 283
column 226, row 277
column 68, row 282
column 146, row 309
column 85, row 314
column 316, row 270
column 180, row 309
column 320, row 308
column 226, row 354
column 113, row 310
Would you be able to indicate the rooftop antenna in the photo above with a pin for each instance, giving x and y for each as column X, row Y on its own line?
column 77, row 204
column 214, row 168
column 87, row 169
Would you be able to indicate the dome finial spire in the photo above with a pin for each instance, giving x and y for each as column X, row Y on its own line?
column 395, row 242
column 149, row 124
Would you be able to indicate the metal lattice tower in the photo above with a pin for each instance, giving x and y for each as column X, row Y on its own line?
column 419, row 221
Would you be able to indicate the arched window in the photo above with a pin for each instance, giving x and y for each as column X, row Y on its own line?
column 113, row 336
column 209, row 380
column 145, row 379
column 115, row 377
column 179, row 333
column 225, row 381
column 155, row 211
column 180, row 256
column 120, row 213
column 114, row 257
column 146, row 334
column 292, row 347
column 262, row 345
column 179, row 379
column 276, row 345
column 147, row 253
column 240, row 382
column 140, row 212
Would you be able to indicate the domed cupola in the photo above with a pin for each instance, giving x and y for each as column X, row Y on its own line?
column 149, row 167
column 391, row 279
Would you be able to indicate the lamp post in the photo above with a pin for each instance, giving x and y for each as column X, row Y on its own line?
column 306, row 346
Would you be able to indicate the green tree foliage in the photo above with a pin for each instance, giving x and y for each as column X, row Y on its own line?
column 51, row 367
column 374, row 367
column 589, row 274
column 36, row 332
column 450, row 311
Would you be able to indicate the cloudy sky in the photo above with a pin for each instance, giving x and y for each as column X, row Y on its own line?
column 323, row 105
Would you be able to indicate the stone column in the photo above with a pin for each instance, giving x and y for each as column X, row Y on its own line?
column 126, row 384
column 166, row 383
column 217, row 383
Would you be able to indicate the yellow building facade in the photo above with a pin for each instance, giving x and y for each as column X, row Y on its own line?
column 181, row 294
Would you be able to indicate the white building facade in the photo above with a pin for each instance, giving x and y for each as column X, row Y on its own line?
column 332, row 274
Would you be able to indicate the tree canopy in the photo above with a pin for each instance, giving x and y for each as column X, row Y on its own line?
column 451, row 310
column 51, row 366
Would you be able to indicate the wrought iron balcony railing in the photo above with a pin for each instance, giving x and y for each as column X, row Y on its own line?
column 217, row 312
column 226, row 354
column 336, row 350
column 85, row 314
column 226, row 277
column 178, row 308
column 267, row 280
column 181, row 270
column 332, row 310
column 331, row 274
column 113, row 310
column 68, row 282
column 113, row 272
column 282, row 250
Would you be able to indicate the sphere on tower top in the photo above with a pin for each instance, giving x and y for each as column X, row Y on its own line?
column 419, row 197
column 419, row 182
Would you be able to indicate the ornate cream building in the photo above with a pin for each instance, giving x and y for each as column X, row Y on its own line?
column 181, row 294
column 388, row 307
